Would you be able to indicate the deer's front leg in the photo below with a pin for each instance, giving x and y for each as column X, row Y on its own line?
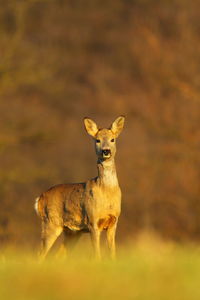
column 95, row 237
column 111, row 240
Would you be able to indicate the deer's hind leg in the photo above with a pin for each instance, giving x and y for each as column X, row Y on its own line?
column 50, row 233
column 70, row 238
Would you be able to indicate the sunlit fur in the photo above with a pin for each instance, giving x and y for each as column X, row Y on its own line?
column 92, row 206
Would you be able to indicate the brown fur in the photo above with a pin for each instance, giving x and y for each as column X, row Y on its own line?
column 92, row 206
column 107, row 222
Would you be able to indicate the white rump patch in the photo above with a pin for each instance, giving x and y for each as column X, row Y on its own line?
column 36, row 205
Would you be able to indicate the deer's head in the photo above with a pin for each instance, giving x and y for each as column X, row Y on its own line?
column 105, row 138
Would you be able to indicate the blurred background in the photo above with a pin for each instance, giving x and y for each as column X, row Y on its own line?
column 62, row 60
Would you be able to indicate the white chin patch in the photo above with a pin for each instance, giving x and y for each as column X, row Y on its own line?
column 106, row 156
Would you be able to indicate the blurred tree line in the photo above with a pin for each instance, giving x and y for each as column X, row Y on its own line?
column 62, row 60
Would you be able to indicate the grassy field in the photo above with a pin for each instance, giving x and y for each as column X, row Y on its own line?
column 147, row 270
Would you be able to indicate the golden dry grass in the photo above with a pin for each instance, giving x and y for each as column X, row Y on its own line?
column 149, row 269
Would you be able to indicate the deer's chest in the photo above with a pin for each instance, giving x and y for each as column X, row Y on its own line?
column 104, row 201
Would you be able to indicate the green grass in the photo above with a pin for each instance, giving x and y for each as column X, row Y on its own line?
column 145, row 271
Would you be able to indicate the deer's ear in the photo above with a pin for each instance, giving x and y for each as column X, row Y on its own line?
column 118, row 125
column 91, row 127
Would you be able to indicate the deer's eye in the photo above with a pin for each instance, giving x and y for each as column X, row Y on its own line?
column 97, row 141
column 112, row 140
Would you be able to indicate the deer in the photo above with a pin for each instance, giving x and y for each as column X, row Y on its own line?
column 92, row 206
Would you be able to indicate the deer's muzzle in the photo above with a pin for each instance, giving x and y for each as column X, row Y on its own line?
column 106, row 153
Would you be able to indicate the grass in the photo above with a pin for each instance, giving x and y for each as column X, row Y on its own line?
column 148, row 270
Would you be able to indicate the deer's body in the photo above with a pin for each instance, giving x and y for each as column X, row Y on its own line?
column 92, row 206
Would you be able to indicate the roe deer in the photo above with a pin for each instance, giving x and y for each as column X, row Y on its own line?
column 91, row 206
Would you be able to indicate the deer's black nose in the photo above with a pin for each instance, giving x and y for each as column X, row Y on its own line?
column 106, row 152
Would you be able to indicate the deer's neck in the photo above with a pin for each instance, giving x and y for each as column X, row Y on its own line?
column 107, row 175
